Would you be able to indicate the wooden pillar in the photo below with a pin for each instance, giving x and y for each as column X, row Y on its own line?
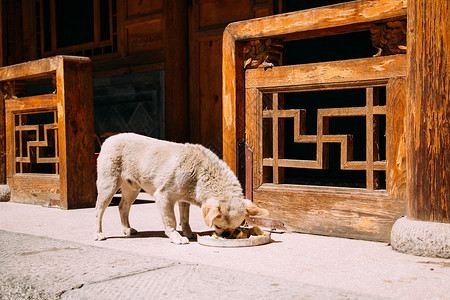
column 425, row 231
column 428, row 98
column 2, row 101
column 176, row 70
column 2, row 141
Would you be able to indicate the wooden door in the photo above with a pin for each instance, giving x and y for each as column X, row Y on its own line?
column 207, row 21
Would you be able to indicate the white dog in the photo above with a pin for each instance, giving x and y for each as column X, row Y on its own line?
column 172, row 172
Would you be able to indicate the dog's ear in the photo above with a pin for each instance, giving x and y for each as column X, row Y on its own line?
column 254, row 210
column 211, row 211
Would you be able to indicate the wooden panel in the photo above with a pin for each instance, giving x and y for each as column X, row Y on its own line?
column 207, row 20
column 428, row 106
column 345, row 212
column 39, row 189
column 145, row 37
column 210, row 96
column 220, row 13
column 143, row 7
column 351, row 73
column 395, row 137
column 176, row 71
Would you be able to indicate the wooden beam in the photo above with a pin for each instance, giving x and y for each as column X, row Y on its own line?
column 428, row 107
column 32, row 69
column 318, row 20
column 359, row 72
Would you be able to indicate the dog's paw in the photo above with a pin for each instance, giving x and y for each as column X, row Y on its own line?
column 100, row 236
column 189, row 234
column 176, row 238
column 129, row 231
column 182, row 240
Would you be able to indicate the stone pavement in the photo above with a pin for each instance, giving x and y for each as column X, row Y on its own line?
column 47, row 253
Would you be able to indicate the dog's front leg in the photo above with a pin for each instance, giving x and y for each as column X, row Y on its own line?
column 184, row 219
column 166, row 209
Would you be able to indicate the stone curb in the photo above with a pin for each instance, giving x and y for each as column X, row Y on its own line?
column 421, row 238
column 5, row 193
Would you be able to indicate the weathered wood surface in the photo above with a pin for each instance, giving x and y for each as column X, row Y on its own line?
column 76, row 132
column 329, row 20
column 75, row 185
column 336, row 214
column 357, row 213
column 328, row 75
column 42, row 189
column 34, row 103
column 33, row 69
column 395, row 137
column 338, row 18
column 428, row 106
column 345, row 212
column 2, row 140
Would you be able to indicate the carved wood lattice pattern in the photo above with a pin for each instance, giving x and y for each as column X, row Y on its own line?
column 36, row 145
column 371, row 111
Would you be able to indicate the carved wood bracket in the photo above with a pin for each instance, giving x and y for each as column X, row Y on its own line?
column 12, row 89
column 263, row 53
column 389, row 38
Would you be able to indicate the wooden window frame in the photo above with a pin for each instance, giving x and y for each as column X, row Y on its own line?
column 339, row 211
column 97, row 47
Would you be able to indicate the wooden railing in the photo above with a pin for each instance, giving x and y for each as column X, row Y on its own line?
column 48, row 142
column 367, row 212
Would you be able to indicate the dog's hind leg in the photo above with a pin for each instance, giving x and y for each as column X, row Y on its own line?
column 184, row 219
column 104, row 197
column 166, row 209
column 129, row 193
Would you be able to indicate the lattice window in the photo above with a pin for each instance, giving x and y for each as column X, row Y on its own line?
column 372, row 114
column 36, row 142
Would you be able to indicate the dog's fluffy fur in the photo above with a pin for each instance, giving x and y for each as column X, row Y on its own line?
column 172, row 172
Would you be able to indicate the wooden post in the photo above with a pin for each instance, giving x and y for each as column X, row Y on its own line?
column 2, row 141
column 76, row 128
column 428, row 95
column 426, row 229
column 177, row 79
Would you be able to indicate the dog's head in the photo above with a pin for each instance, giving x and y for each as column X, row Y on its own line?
column 225, row 216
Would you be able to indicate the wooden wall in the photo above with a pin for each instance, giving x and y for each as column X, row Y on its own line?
column 207, row 21
column 181, row 38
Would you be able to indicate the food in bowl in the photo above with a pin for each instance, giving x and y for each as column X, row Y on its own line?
column 240, row 233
